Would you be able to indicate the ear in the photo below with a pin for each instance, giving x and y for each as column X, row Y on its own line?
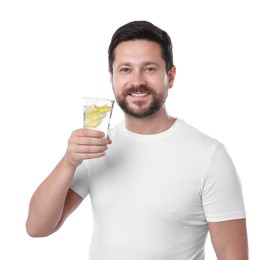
column 110, row 77
column 171, row 76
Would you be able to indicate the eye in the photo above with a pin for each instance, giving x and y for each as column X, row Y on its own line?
column 124, row 69
column 150, row 69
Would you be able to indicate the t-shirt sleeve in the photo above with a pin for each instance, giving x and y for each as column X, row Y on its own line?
column 222, row 197
column 80, row 181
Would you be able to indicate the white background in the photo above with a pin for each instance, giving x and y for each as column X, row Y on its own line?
column 52, row 53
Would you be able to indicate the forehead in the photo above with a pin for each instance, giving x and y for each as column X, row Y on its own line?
column 137, row 50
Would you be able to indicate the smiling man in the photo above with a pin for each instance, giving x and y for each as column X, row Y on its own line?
column 139, row 78
column 157, row 185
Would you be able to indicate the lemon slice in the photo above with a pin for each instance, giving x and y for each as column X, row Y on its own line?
column 94, row 122
column 94, row 115
column 91, row 108
column 104, row 108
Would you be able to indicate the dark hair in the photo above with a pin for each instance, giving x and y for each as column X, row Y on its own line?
column 141, row 30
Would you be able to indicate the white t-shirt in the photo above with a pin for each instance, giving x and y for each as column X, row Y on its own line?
column 152, row 195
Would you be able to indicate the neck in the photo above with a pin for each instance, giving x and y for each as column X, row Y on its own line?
column 155, row 124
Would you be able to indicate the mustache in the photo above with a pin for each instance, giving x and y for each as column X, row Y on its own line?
column 140, row 88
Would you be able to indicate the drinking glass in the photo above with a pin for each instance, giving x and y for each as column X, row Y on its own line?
column 97, row 113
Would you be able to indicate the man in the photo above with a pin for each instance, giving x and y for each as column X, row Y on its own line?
column 157, row 185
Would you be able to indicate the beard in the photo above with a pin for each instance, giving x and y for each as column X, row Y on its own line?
column 151, row 109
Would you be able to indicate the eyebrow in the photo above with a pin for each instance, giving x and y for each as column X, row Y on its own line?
column 143, row 64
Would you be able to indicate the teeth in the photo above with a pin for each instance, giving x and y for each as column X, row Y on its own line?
column 138, row 94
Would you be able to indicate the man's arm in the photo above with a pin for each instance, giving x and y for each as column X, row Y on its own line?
column 229, row 239
column 53, row 201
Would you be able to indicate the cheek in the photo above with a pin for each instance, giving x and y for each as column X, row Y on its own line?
column 119, row 83
column 164, row 81
column 118, row 88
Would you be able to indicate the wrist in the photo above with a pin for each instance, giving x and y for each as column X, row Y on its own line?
column 68, row 165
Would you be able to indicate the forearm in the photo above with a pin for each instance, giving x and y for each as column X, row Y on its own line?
column 229, row 239
column 47, row 203
column 51, row 203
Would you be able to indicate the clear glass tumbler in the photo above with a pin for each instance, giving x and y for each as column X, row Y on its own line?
column 97, row 113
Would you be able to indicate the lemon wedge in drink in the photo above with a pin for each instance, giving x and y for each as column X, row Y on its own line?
column 94, row 115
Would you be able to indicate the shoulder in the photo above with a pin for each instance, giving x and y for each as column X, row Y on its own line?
column 195, row 137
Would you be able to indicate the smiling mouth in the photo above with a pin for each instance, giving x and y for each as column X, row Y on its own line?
column 138, row 94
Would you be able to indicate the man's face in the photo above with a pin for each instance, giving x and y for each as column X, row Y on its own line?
column 139, row 80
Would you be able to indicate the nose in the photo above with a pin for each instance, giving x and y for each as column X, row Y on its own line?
column 138, row 79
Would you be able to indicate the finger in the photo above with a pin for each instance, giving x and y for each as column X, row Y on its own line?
column 86, row 156
column 87, row 132
column 109, row 140
column 95, row 155
column 91, row 141
column 88, row 149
